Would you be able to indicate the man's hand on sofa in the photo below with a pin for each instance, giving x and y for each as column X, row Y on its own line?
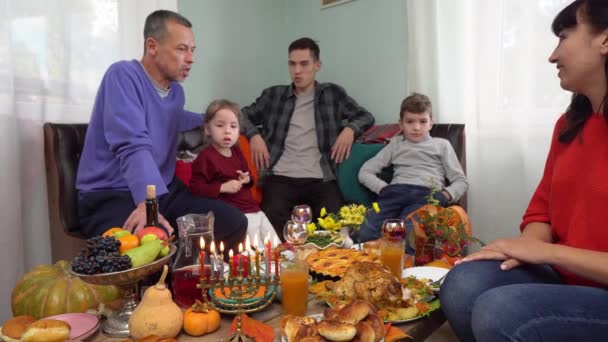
column 341, row 149
column 259, row 152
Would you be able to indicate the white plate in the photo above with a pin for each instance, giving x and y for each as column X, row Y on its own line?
column 426, row 272
column 83, row 325
column 318, row 317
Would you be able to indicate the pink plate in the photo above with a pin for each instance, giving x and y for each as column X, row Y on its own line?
column 83, row 324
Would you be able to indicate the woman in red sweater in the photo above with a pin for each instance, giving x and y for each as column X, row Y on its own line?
column 551, row 283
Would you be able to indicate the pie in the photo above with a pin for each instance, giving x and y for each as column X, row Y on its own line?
column 334, row 262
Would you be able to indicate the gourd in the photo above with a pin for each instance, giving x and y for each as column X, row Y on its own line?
column 200, row 320
column 49, row 290
column 156, row 314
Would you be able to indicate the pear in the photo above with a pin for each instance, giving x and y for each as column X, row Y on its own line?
column 145, row 253
column 164, row 251
column 147, row 238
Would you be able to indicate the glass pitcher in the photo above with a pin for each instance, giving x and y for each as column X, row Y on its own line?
column 187, row 266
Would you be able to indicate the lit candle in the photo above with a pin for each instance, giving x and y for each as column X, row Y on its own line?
column 240, row 258
column 257, row 255
column 222, row 262
column 276, row 256
column 202, row 256
column 267, row 255
column 212, row 258
column 230, row 263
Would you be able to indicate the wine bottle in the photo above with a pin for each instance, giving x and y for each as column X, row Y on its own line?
column 151, row 207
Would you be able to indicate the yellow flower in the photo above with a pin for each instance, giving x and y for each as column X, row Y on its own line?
column 376, row 207
column 323, row 212
column 311, row 227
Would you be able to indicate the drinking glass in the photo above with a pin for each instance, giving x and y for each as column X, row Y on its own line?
column 394, row 228
column 301, row 214
column 294, row 286
column 295, row 232
column 392, row 252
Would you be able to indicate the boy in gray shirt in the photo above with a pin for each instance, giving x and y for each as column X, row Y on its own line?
column 419, row 161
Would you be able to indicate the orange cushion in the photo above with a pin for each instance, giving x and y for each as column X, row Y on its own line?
column 256, row 192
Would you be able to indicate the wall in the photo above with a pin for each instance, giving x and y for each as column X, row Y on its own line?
column 363, row 48
column 241, row 49
column 362, row 52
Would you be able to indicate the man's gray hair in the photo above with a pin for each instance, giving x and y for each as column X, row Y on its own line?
column 155, row 26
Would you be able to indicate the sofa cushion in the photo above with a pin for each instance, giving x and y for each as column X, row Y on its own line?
column 348, row 172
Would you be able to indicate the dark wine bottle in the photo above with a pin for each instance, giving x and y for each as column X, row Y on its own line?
column 151, row 207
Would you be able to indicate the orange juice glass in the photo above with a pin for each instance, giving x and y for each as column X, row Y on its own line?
column 294, row 287
column 392, row 251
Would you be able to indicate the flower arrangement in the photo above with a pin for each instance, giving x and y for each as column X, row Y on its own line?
column 352, row 215
column 439, row 230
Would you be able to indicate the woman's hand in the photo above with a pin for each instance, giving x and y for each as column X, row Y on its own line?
column 514, row 252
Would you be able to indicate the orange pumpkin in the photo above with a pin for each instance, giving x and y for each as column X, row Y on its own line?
column 200, row 320
column 50, row 290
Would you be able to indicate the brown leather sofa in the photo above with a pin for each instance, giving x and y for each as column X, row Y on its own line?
column 62, row 147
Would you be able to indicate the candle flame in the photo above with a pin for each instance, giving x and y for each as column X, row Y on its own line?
column 230, row 254
column 202, row 243
column 212, row 247
column 256, row 241
column 275, row 241
column 222, row 246
column 247, row 244
column 240, row 247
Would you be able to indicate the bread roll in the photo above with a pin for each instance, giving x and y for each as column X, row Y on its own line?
column 47, row 330
column 377, row 324
column 336, row 331
column 316, row 338
column 365, row 332
column 16, row 326
column 354, row 312
column 297, row 328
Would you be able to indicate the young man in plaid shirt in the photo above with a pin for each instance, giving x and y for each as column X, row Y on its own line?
column 298, row 134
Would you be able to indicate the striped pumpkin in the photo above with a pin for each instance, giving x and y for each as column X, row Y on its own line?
column 50, row 290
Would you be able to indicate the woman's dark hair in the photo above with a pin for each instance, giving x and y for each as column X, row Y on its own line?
column 594, row 12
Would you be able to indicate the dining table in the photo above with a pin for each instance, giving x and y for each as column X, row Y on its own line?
column 418, row 329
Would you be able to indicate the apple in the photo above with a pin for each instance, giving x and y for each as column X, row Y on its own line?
column 160, row 233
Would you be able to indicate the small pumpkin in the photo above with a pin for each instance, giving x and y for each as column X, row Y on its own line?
column 200, row 320
column 49, row 290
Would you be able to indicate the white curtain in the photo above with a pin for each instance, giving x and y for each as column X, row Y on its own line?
column 484, row 63
column 52, row 57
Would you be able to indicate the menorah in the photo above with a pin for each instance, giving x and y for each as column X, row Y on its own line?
column 239, row 294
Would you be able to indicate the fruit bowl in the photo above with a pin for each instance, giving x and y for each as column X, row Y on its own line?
column 129, row 276
column 117, row 325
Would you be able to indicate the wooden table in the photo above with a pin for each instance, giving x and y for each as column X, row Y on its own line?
column 419, row 329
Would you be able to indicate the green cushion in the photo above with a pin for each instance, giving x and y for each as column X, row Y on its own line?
column 348, row 172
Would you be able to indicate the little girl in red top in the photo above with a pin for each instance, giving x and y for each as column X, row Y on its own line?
column 220, row 170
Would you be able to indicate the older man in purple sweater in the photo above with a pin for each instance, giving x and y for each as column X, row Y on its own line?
column 132, row 139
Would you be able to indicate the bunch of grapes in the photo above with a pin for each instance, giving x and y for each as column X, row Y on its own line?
column 101, row 256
